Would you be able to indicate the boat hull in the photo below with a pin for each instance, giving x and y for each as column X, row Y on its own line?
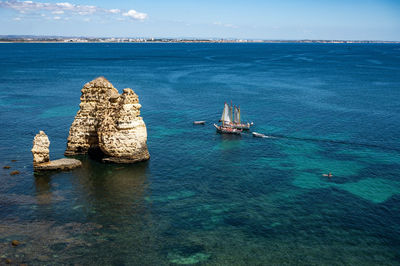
column 238, row 126
column 227, row 130
column 241, row 126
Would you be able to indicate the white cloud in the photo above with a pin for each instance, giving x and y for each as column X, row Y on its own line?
column 114, row 11
column 17, row 19
column 135, row 15
column 30, row 6
column 25, row 7
column 56, row 18
column 65, row 5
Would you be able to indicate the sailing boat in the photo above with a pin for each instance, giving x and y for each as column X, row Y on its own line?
column 226, row 119
column 236, row 121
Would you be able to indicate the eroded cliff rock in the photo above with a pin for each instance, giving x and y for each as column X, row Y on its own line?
column 41, row 157
column 40, row 149
column 110, row 123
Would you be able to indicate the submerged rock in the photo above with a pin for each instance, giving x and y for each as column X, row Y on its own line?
column 189, row 259
column 41, row 157
column 109, row 123
column 15, row 243
column 6, row 167
column 14, row 173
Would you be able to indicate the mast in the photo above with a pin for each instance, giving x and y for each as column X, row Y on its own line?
column 239, row 113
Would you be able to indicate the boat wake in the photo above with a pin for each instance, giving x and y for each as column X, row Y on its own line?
column 342, row 142
column 268, row 137
column 259, row 135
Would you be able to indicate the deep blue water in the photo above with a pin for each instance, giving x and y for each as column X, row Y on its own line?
column 203, row 197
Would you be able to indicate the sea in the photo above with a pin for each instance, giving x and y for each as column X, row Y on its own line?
column 204, row 198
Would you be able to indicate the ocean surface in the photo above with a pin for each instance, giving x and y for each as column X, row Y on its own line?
column 205, row 198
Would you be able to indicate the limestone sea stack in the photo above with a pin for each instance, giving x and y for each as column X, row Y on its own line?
column 109, row 123
column 40, row 149
column 41, row 157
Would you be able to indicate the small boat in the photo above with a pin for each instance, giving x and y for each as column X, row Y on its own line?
column 258, row 135
column 328, row 175
column 199, row 122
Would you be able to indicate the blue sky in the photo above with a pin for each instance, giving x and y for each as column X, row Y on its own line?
column 251, row 19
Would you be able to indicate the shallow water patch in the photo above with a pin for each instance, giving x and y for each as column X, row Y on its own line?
column 186, row 255
column 376, row 190
column 309, row 181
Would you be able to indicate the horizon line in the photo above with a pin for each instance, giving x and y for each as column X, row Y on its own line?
column 26, row 36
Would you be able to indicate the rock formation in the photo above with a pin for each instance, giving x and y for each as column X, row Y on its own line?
column 40, row 150
column 109, row 122
column 41, row 157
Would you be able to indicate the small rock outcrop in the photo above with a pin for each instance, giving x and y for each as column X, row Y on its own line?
column 41, row 156
column 40, row 150
column 15, row 243
column 63, row 164
column 110, row 123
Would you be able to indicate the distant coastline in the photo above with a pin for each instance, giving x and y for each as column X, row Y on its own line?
column 60, row 39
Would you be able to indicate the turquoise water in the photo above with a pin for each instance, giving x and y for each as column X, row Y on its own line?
column 205, row 198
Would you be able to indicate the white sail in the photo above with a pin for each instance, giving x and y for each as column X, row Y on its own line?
column 237, row 115
column 226, row 117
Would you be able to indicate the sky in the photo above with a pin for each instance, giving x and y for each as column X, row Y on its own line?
column 239, row 19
